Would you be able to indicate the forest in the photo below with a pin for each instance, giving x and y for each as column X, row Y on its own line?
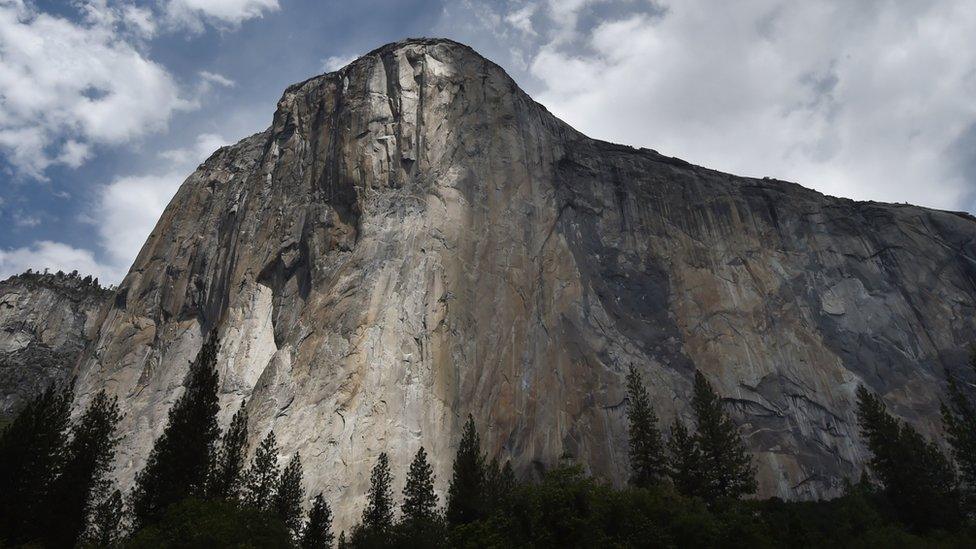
column 690, row 486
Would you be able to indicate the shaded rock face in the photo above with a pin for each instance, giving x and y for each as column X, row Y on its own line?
column 45, row 321
column 414, row 239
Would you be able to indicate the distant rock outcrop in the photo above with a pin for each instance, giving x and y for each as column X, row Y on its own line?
column 44, row 322
column 415, row 239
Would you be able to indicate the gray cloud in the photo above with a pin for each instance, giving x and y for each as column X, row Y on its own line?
column 868, row 100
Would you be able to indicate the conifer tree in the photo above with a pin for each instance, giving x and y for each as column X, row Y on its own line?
column 647, row 458
column 81, row 482
column 289, row 495
column 105, row 527
column 225, row 479
column 728, row 470
column 918, row 481
column 959, row 421
column 419, row 507
column 182, row 457
column 378, row 515
column 499, row 485
column 465, row 495
column 32, row 450
column 317, row 533
column 684, row 464
column 506, row 482
column 342, row 541
column 261, row 479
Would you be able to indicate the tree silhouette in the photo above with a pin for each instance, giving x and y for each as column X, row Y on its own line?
column 261, row 479
column 225, row 479
column 81, row 482
column 288, row 498
column 317, row 533
column 378, row 515
column 685, row 462
column 499, row 487
column 918, row 480
column 180, row 460
column 419, row 523
column 647, row 459
column 728, row 469
column 105, row 527
column 465, row 495
column 32, row 451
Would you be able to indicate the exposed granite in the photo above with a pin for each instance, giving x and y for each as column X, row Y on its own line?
column 414, row 239
column 44, row 322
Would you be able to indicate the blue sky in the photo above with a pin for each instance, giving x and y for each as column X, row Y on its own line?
column 107, row 105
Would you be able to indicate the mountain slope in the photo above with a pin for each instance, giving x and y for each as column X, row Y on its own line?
column 45, row 320
column 414, row 239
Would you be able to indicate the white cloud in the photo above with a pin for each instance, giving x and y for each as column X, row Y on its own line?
column 56, row 257
column 69, row 85
column 194, row 14
column 217, row 79
column 140, row 20
column 128, row 209
column 73, row 153
column 205, row 145
column 336, row 62
column 859, row 99
column 521, row 18
column 125, row 212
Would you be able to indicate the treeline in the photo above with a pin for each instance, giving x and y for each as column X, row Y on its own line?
column 198, row 487
column 60, row 278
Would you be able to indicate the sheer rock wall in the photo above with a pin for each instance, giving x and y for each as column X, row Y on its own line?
column 414, row 239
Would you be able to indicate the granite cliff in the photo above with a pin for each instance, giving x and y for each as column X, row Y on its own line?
column 45, row 320
column 415, row 239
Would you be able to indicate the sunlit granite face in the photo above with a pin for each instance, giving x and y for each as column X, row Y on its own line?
column 414, row 239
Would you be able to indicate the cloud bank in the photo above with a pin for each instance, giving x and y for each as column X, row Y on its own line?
column 867, row 100
column 68, row 86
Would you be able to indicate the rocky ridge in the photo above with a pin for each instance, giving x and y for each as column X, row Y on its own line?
column 45, row 320
column 415, row 239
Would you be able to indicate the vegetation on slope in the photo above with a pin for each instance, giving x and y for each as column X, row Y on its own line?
column 686, row 489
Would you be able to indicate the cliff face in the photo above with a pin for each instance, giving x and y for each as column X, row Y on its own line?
column 45, row 320
column 414, row 239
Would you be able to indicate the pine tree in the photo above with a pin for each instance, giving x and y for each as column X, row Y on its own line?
column 918, row 481
column 178, row 464
column 105, row 527
column 317, row 533
column 378, row 515
column 959, row 421
column 465, row 496
column 32, row 451
column 261, row 479
column 288, row 498
column 647, row 458
column 499, row 486
column 342, row 541
column 728, row 470
column 81, row 482
column 419, row 507
column 225, row 479
column 685, row 461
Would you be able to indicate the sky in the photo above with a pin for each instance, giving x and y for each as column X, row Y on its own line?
column 106, row 106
